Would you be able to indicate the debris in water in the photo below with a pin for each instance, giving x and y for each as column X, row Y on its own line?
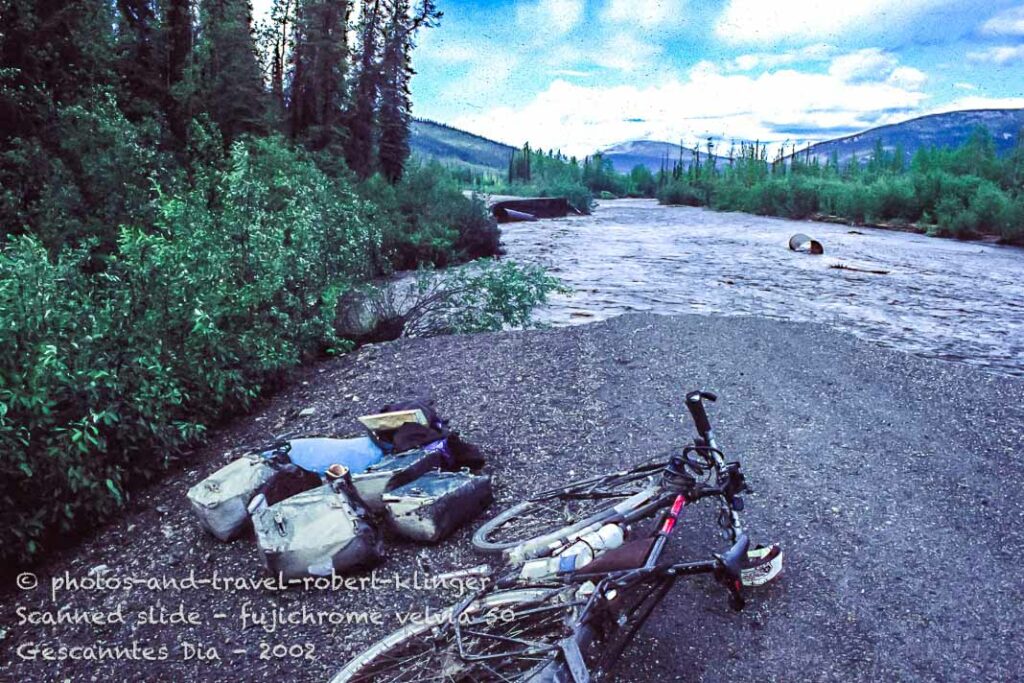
column 842, row 266
column 854, row 232
column 506, row 210
column 801, row 242
column 511, row 215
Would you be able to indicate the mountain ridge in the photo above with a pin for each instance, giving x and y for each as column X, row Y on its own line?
column 432, row 140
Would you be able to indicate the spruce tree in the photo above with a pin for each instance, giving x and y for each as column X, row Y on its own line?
column 395, row 108
column 180, row 32
column 140, row 63
column 362, row 115
column 281, row 17
column 230, row 84
column 320, row 59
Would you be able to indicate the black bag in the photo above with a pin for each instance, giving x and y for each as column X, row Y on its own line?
column 287, row 481
column 413, row 435
column 464, row 453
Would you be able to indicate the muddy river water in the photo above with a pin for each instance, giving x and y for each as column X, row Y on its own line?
column 961, row 301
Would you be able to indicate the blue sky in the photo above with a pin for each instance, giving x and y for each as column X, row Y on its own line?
column 580, row 75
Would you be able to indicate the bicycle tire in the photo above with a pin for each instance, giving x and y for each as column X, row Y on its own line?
column 606, row 492
column 391, row 659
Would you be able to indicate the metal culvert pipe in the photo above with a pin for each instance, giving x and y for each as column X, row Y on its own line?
column 802, row 242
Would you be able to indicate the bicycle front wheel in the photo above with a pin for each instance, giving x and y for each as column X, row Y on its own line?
column 509, row 636
column 556, row 514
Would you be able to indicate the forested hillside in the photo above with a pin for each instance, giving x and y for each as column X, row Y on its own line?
column 450, row 145
column 949, row 130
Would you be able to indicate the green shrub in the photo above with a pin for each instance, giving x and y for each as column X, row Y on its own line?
column 769, row 198
column 1013, row 222
column 990, row 205
column 729, row 196
column 892, row 197
column 679, row 193
column 107, row 375
column 483, row 296
column 426, row 219
column 953, row 218
column 803, row 199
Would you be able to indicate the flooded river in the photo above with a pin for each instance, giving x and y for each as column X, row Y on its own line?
column 961, row 301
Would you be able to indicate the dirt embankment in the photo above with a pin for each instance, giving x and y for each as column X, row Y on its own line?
column 892, row 481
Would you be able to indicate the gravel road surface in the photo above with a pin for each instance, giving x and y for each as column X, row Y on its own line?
column 894, row 483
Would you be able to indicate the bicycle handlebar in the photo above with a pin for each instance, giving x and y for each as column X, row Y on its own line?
column 695, row 404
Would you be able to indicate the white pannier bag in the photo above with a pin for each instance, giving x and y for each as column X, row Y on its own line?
column 220, row 500
column 314, row 533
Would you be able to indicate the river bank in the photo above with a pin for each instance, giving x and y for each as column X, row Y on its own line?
column 891, row 480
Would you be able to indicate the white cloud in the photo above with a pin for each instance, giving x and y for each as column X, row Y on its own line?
column 1007, row 23
column 965, row 86
column 771, row 60
column 907, row 77
column 625, row 52
column 766, row 21
column 580, row 119
column 648, row 14
column 571, row 73
column 550, row 17
column 978, row 102
column 1001, row 55
column 873, row 65
column 868, row 64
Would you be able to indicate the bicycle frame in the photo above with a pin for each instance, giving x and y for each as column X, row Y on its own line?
column 725, row 567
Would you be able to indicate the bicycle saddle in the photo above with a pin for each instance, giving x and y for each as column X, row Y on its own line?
column 732, row 560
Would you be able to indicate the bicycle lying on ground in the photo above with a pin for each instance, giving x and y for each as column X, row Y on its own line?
column 581, row 578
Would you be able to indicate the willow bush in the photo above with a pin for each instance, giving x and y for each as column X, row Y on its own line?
column 108, row 373
column 963, row 192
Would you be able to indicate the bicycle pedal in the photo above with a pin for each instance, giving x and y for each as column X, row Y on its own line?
column 763, row 565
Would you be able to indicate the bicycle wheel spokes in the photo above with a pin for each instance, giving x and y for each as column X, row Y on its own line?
column 543, row 517
column 418, row 661
column 529, row 634
column 560, row 509
column 491, row 641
